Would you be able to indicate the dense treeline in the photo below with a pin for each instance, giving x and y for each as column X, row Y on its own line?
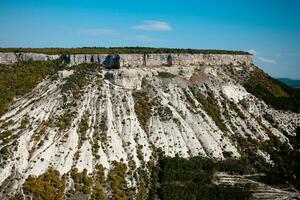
column 273, row 92
column 287, row 163
column 181, row 178
column 170, row 178
column 119, row 50
column 286, row 167
column 50, row 185
column 22, row 77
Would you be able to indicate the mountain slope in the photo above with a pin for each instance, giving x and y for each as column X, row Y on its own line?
column 85, row 120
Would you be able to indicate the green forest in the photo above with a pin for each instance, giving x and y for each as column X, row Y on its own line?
column 119, row 50
column 181, row 178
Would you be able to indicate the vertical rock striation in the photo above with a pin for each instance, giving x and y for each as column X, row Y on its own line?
column 134, row 60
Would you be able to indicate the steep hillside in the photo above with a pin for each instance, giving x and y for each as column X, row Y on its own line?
column 87, row 132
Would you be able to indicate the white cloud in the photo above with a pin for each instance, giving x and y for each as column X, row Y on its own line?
column 153, row 26
column 266, row 60
column 99, row 32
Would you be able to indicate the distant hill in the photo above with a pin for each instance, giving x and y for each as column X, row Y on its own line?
column 290, row 82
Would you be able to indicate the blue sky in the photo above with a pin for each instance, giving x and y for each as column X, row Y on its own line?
column 268, row 28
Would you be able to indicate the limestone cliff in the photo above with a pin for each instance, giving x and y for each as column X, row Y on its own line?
column 84, row 118
column 134, row 60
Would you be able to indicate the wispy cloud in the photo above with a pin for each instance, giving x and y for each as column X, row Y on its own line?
column 153, row 26
column 99, row 32
column 261, row 57
column 253, row 52
column 266, row 60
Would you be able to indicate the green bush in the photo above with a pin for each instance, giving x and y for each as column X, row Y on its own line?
column 83, row 183
column 65, row 121
column 165, row 75
column 48, row 186
column 142, row 108
column 117, row 178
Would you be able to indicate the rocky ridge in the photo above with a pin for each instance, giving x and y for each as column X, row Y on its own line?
column 187, row 106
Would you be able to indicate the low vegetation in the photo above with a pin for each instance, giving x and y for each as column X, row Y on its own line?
column 117, row 177
column 47, row 186
column 80, row 78
column 64, row 121
column 142, row 108
column 112, row 50
column 83, row 127
column 82, row 182
column 165, row 75
column 20, row 78
column 210, row 105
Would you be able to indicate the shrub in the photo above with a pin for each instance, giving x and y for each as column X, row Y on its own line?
column 48, row 186
column 165, row 75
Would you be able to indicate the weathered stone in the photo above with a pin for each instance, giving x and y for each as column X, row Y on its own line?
column 135, row 60
column 8, row 58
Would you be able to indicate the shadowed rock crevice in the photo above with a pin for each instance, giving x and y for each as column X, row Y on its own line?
column 112, row 62
column 169, row 60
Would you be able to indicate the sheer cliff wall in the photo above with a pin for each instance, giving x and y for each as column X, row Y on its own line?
column 134, row 60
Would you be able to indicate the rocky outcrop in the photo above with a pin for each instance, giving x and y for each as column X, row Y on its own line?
column 130, row 115
column 36, row 57
column 10, row 58
column 134, row 60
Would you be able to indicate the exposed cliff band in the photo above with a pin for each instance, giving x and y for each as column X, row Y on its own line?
column 134, row 60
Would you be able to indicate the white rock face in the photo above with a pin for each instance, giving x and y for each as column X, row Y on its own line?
column 135, row 60
column 36, row 57
column 8, row 58
column 236, row 93
column 178, row 122
column 139, row 60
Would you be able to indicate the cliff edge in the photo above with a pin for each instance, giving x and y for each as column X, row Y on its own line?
column 133, row 60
